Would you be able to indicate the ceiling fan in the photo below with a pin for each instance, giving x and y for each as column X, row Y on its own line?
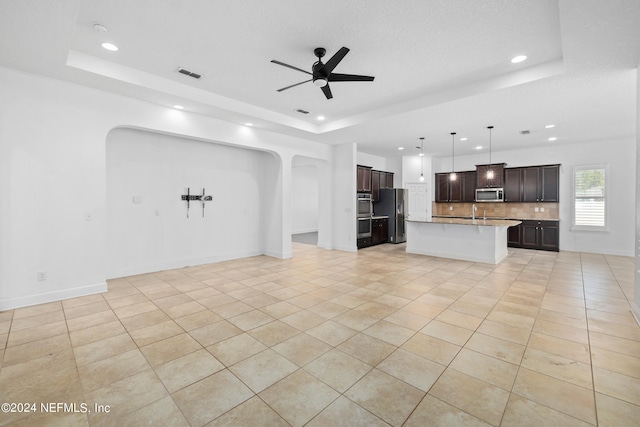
column 322, row 73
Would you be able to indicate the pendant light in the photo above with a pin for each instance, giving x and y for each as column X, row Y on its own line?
column 421, row 159
column 452, row 175
column 490, row 170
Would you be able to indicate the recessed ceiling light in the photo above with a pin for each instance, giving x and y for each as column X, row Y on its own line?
column 400, row 148
column 248, row 124
column 110, row 46
column 320, row 118
column 553, row 138
column 178, row 107
column 463, row 139
column 421, row 154
column 549, row 126
column 479, row 147
column 518, row 59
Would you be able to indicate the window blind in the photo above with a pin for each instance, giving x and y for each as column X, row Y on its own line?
column 589, row 197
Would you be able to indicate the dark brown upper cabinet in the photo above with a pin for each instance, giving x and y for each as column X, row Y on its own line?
column 532, row 184
column 541, row 184
column 463, row 189
column 380, row 179
column 482, row 181
column 513, row 185
column 364, row 179
column 469, row 186
column 386, row 179
column 375, row 185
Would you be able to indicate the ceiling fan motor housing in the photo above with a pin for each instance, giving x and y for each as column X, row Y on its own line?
column 320, row 75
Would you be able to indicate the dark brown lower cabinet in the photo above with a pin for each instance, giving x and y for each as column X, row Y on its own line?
column 379, row 231
column 364, row 242
column 541, row 235
column 514, row 236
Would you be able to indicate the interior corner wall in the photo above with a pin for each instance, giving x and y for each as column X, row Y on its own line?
column 312, row 198
column 344, row 197
column 276, row 221
column 304, row 198
column 147, row 223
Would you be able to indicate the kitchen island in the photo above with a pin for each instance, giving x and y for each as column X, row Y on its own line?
column 477, row 240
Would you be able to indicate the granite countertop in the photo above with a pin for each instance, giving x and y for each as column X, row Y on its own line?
column 497, row 218
column 469, row 221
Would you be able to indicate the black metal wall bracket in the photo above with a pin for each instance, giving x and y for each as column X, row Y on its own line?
column 195, row 197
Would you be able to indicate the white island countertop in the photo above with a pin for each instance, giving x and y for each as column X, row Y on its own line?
column 476, row 240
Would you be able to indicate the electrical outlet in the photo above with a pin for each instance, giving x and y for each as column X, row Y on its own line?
column 42, row 276
column 541, row 209
column 537, row 209
column 450, row 208
column 88, row 216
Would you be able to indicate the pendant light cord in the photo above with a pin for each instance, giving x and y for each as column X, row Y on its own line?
column 453, row 152
column 490, row 128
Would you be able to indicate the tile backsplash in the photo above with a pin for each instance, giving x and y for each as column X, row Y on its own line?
column 500, row 210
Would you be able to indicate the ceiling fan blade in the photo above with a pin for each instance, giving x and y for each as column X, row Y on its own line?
column 290, row 66
column 289, row 87
column 333, row 77
column 327, row 91
column 335, row 59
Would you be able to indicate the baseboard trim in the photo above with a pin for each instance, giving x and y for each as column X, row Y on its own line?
column 305, row 230
column 280, row 255
column 29, row 300
column 346, row 248
column 598, row 251
column 154, row 268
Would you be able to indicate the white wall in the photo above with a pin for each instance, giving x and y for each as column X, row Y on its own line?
column 618, row 154
column 148, row 228
column 53, row 167
column 387, row 164
column 412, row 166
column 344, row 197
column 304, row 197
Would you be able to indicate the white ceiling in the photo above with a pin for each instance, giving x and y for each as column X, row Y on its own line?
column 439, row 65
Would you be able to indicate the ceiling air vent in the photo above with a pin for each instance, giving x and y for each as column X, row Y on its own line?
column 300, row 110
column 525, row 132
column 189, row 73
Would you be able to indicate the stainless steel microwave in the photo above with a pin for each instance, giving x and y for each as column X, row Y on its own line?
column 489, row 195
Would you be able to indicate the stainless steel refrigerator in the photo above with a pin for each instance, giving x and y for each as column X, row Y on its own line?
column 392, row 204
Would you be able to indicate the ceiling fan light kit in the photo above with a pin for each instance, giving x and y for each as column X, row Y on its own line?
column 322, row 73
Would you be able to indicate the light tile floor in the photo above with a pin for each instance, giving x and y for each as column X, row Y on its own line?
column 329, row 338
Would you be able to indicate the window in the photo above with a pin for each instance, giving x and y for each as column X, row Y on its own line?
column 590, row 198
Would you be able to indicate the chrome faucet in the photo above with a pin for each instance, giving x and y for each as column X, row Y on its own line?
column 473, row 212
